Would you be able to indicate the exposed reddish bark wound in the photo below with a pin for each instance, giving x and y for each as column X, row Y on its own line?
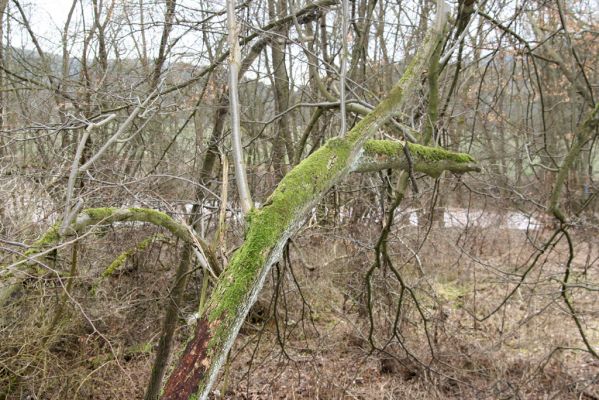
column 185, row 379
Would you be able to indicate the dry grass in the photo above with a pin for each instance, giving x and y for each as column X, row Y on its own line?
column 529, row 349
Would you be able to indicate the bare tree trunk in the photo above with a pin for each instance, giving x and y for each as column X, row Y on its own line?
column 283, row 139
column 169, row 15
column 169, row 324
column 243, row 188
column 583, row 134
column 3, row 4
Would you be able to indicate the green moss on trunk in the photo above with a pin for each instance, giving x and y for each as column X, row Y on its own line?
column 423, row 153
column 91, row 217
column 312, row 177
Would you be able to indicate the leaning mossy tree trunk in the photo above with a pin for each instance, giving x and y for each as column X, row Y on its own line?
column 270, row 227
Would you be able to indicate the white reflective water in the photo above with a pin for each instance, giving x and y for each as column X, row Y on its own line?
column 460, row 218
column 42, row 211
column 452, row 217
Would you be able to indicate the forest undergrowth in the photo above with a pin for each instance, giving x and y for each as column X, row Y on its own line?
column 457, row 322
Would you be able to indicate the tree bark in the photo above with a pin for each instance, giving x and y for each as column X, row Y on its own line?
column 243, row 188
column 169, row 324
column 283, row 139
column 583, row 135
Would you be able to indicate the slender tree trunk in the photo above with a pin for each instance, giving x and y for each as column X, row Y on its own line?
column 283, row 139
column 3, row 4
column 169, row 15
column 169, row 325
column 243, row 188
column 583, row 134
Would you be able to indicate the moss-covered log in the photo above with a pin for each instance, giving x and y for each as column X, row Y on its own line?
column 92, row 217
column 268, row 230
column 13, row 275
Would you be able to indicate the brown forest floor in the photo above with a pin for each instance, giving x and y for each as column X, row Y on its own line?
column 315, row 344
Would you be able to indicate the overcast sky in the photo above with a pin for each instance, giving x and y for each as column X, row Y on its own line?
column 47, row 18
column 48, row 15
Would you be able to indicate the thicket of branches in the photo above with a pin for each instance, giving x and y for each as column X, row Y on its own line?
column 125, row 136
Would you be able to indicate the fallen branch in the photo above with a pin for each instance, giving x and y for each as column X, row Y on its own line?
column 14, row 274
